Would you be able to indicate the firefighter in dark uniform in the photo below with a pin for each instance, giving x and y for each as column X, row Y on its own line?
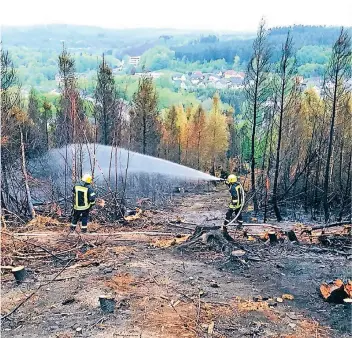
column 237, row 199
column 83, row 200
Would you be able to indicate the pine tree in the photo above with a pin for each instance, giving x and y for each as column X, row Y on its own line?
column 144, row 118
column 70, row 117
column 35, row 131
column 106, row 107
column 256, row 84
column 285, row 87
column 336, row 92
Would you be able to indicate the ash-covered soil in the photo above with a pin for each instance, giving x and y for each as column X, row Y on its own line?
column 162, row 291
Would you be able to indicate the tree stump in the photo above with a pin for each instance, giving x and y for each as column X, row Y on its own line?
column 292, row 236
column 333, row 292
column 20, row 273
column 215, row 237
column 107, row 303
column 272, row 237
column 239, row 256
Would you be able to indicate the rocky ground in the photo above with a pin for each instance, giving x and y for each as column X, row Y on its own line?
column 163, row 288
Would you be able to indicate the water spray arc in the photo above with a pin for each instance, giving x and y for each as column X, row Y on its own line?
column 135, row 162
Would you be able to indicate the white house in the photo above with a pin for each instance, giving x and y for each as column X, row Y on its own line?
column 134, row 60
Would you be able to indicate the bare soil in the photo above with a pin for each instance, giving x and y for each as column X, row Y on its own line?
column 164, row 291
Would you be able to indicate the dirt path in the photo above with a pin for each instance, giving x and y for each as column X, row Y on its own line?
column 164, row 292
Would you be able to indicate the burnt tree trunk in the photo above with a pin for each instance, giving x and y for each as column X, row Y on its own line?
column 25, row 176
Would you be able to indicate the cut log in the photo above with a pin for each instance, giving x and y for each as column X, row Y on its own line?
column 292, row 236
column 348, row 229
column 20, row 273
column 317, row 227
column 238, row 253
column 272, row 237
column 107, row 303
column 333, row 292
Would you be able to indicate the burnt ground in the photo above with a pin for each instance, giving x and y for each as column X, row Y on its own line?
column 162, row 291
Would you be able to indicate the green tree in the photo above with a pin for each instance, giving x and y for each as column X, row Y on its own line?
column 106, row 107
column 144, row 117
column 157, row 58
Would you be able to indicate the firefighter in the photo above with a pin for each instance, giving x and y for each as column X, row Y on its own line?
column 237, row 200
column 83, row 201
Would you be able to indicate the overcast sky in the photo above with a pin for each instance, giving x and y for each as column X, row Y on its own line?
column 235, row 15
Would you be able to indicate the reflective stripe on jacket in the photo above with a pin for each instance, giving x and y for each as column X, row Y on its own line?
column 83, row 196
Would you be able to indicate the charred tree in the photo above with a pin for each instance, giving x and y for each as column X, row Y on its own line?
column 256, row 81
column 46, row 117
column 25, row 177
column 10, row 139
column 284, row 88
column 335, row 91
column 35, row 134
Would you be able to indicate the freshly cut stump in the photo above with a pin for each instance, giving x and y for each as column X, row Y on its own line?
column 272, row 237
column 333, row 292
column 215, row 237
column 20, row 273
column 107, row 303
column 239, row 256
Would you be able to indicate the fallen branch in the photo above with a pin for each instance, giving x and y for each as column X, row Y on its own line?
column 147, row 233
column 265, row 225
column 39, row 246
column 317, row 227
column 319, row 250
column 185, row 222
column 34, row 292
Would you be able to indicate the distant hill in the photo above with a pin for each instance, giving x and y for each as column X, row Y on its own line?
column 52, row 36
column 35, row 49
column 302, row 36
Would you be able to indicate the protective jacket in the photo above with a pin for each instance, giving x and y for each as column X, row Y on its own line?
column 236, row 195
column 83, row 196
